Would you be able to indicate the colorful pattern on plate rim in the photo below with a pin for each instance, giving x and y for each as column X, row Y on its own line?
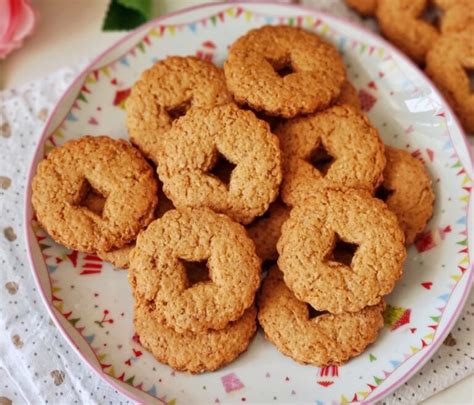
column 75, row 276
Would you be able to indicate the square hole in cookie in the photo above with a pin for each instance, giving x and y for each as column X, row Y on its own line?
column 222, row 169
column 321, row 159
column 343, row 252
column 92, row 199
column 282, row 67
column 383, row 193
column 179, row 110
column 196, row 272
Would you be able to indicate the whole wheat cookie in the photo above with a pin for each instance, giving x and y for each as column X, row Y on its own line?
column 310, row 244
column 120, row 258
column 196, row 145
column 446, row 64
column 401, row 22
column 337, row 146
column 320, row 340
column 158, row 273
column 115, row 170
column 284, row 71
column 195, row 353
column 363, row 7
column 266, row 230
column 407, row 191
column 349, row 96
column 166, row 91
column 458, row 18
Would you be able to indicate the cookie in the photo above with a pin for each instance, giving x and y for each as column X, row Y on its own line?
column 166, row 91
column 114, row 169
column 363, row 7
column 407, row 191
column 337, row 146
column 310, row 258
column 195, row 353
column 348, row 96
column 321, row 340
column 446, row 64
column 401, row 22
column 284, row 71
column 458, row 18
column 266, row 230
column 158, row 274
column 196, row 146
column 120, row 258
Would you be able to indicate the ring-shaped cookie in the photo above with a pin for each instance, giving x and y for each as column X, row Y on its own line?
column 308, row 261
column 166, row 91
column 323, row 340
column 112, row 167
column 195, row 353
column 408, row 190
column 446, row 64
column 158, row 276
column 255, row 60
column 193, row 148
column 340, row 134
column 400, row 21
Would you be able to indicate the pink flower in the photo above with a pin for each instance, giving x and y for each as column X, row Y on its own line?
column 17, row 20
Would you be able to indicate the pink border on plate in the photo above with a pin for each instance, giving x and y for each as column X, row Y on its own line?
column 28, row 214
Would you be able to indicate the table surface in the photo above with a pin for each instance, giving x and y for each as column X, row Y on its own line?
column 65, row 36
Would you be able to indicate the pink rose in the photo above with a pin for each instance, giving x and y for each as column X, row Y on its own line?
column 17, row 20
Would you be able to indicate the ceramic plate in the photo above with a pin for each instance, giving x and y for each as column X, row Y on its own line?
column 92, row 304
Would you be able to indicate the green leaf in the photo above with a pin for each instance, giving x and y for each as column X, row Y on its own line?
column 127, row 14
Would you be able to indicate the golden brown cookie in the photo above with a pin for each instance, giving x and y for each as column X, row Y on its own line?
column 310, row 258
column 266, row 230
column 115, row 170
column 321, row 340
column 284, row 71
column 166, row 91
column 363, row 7
column 337, row 146
column 196, row 145
column 195, row 353
column 401, row 22
column 407, row 191
column 158, row 273
column 348, row 96
column 447, row 64
column 458, row 18
column 120, row 258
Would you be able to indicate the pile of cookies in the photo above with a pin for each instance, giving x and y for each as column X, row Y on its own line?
column 265, row 167
column 439, row 36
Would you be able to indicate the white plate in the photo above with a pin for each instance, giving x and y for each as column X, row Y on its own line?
column 92, row 304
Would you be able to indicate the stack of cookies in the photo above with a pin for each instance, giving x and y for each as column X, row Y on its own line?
column 439, row 36
column 268, row 161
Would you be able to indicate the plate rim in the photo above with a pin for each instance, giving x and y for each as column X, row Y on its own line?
column 28, row 211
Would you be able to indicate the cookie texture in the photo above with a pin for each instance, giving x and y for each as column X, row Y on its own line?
column 158, row 276
column 349, row 96
column 363, row 7
column 408, row 190
column 447, row 64
column 195, row 353
column 323, row 340
column 202, row 138
column 337, row 146
column 115, row 170
column 308, row 250
column 401, row 22
column 166, row 91
column 458, row 18
column 266, row 230
column 284, row 71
